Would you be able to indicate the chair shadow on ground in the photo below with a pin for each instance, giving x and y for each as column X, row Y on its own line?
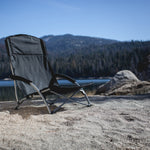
column 26, row 111
column 37, row 108
column 34, row 107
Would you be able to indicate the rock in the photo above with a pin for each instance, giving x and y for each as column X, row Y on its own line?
column 124, row 83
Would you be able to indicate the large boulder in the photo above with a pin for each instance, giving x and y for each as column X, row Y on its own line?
column 124, row 83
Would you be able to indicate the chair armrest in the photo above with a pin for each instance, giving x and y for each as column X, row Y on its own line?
column 13, row 77
column 67, row 78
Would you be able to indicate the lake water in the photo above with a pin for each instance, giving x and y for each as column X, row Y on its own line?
column 7, row 89
column 10, row 83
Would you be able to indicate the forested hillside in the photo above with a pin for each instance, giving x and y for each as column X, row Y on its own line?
column 4, row 63
column 82, row 57
column 106, row 60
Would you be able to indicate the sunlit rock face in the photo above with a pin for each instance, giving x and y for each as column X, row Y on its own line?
column 124, row 83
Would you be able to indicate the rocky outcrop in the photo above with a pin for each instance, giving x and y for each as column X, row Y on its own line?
column 124, row 83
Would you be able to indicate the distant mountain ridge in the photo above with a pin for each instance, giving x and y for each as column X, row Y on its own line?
column 74, row 39
column 69, row 42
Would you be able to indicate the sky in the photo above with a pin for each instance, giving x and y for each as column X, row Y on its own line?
column 122, row 20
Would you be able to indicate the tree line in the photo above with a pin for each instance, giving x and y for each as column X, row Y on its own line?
column 106, row 60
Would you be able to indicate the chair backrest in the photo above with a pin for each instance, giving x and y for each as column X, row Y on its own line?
column 28, row 59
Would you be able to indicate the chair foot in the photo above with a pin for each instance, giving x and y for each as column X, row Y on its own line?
column 52, row 112
column 86, row 97
column 17, row 107
column 89, row 105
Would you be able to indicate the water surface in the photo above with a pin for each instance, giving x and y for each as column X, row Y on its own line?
column 10, row 83
column 7, row 90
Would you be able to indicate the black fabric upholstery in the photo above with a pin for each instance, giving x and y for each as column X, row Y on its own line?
column 29, row 60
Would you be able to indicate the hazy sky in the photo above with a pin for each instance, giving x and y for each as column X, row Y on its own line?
column 113, row 19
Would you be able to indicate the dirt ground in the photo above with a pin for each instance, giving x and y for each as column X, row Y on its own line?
column 113, row 122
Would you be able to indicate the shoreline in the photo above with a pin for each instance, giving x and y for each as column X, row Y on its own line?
column 87, row 78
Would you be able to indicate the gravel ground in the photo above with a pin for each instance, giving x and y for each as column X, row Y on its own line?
column 113, row 122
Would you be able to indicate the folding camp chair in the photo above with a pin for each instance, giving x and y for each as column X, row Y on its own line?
column 32, row 73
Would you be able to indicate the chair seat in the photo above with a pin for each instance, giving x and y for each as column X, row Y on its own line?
column 64, row 89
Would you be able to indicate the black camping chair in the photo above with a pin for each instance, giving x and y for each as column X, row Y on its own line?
column 32, row 73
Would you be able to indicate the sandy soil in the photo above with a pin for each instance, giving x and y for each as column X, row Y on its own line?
column 114, row 122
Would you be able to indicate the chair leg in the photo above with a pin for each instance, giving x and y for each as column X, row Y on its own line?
column 43, row 98
column 59, row 107
column 19, row 103
column 16, row 93
column 17, row 107
column 70, row 99
column 66, row 99
column 83, row 92
column 38, row 91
